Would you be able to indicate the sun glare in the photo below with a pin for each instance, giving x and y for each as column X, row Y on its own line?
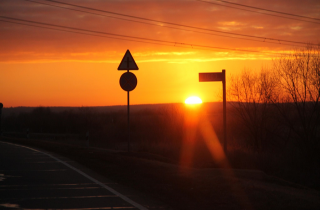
column 193, row 100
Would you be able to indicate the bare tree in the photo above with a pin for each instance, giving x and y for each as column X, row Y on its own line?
column 298, row 104
column 251, row 94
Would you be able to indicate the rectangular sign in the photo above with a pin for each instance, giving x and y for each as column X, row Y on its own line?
column 210, row 77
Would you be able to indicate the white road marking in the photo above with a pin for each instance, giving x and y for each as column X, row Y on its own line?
column 88, row 177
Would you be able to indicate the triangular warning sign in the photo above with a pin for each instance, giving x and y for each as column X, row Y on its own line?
column 128, row 62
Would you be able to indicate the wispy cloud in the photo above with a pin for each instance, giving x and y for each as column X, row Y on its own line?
column 46, row 43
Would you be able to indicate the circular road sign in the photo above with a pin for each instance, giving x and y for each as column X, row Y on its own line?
column 128, row 81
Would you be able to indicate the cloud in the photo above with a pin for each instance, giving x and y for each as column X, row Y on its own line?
column 296, row 27
column 16, row 40
column 231, row 23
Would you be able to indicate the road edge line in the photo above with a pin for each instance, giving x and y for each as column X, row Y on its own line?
column 125, row 198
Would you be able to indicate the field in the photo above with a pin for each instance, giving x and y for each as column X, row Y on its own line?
column 176, row 154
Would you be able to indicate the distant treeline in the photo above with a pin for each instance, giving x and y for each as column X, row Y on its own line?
column 108, row 127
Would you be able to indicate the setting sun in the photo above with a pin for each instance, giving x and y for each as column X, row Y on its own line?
column 193, row 100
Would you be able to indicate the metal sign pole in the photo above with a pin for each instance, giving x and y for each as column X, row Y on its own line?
column 219, row 76
column 128, row 110
column 128, row 82
column 128, row 123
column 1, row 106
column 224, row 111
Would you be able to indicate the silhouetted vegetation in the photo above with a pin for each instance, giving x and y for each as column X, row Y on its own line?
column 282, row 100
column 280, row 107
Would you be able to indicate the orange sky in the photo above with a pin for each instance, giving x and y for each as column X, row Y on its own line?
column 56, row 68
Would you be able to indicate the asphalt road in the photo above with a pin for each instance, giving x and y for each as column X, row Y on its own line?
column 31, row 179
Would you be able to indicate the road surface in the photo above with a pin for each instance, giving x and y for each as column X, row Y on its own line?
column 32, row 179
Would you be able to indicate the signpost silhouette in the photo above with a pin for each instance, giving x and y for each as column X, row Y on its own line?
column 1, row 106
column 128, row 82
column 219, row 76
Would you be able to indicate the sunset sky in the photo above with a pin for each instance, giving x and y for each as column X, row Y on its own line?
column 49, row 67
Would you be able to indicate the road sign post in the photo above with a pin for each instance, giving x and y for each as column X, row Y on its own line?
column 128, row 82
column 213, row 77
column 1, row 106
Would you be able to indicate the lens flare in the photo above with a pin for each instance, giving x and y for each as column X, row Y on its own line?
column 193, row 100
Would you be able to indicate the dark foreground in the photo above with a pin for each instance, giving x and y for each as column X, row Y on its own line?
column 31, row 179
column 185, row 188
